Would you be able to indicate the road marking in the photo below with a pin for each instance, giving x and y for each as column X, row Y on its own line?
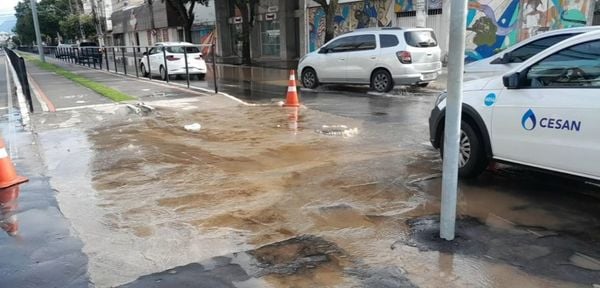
column 45, row 102
column 86, row 106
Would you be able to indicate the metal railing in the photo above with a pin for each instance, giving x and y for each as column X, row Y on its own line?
column 166, row 63
column 18, row 64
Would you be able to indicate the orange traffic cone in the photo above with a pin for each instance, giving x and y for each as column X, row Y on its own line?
column 292, row 95
column 8, row 175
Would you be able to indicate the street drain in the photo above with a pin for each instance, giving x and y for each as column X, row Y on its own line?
column 337, row 130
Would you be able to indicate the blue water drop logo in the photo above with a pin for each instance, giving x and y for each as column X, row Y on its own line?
column 490, row 99
column 528, row 121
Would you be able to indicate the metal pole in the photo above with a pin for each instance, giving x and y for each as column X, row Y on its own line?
column 458, row 22
column 165, row 61
column 115, row 60
column 124, row 60
column 187, row 72
column 106, row 59
column 135, row 63
column 149, row 66
column 36, row 25
column 214, row 64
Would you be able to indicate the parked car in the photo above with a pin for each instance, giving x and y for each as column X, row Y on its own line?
column 63, row 51
column 173, row 58
column 381, row 57
column 88, row 52
column 543, row 113
column 519, row 53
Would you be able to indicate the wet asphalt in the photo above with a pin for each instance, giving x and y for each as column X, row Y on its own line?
column 260, row 198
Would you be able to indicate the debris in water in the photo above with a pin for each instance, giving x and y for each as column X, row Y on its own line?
column 585, row 261
column 192, row 127
column 337, row 130
column 140, row 108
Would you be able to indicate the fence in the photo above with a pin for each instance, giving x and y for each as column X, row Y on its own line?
column 167, row 63
column 18, row 63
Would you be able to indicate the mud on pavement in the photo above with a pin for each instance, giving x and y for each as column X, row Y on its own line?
column 272, row 203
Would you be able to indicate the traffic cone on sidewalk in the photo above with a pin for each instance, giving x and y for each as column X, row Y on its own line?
column 8, row 174
column 292, row 94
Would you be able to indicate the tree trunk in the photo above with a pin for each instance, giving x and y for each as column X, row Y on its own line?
column 329, row 20
column 246, row 27
column 188, row 31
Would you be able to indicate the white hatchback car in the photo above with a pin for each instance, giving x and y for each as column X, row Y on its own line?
column 544, row 113
column 519, row 53
column 381, row 57
column 167, row 60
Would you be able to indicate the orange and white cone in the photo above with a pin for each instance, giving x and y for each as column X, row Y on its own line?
column 8, row 174
column 292, row 94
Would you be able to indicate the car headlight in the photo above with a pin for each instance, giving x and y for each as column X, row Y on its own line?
column 441, row 98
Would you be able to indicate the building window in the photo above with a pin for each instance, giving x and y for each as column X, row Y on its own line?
column 269, row 36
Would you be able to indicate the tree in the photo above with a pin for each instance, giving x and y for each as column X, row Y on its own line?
column 70, row 26
column 330, row 10
column 185, row 11
column 248, row 10
column 50, row 13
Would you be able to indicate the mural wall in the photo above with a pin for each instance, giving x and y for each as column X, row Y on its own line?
column 494, row 25
column 408, row 5
column 350, row 16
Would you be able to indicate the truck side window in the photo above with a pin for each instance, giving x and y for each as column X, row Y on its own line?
column 521, row 54
column 576, row 66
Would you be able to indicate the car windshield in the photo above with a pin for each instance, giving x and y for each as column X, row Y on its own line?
column 179, row 49
column 420, row 38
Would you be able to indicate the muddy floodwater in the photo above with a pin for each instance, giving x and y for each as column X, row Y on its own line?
column 145, row 195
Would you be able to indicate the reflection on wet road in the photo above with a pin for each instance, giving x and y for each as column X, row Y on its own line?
column 152, row 200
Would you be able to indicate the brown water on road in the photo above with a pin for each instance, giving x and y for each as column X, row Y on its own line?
column 247, row 180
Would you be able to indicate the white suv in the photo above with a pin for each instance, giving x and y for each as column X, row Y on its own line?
column 545, row 113
column 519, row 53
column 171, row 61
column 381, row 57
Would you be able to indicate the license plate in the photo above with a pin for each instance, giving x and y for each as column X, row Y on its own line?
column 429, row 76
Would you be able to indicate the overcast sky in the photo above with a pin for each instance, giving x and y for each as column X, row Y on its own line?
column 7, row 7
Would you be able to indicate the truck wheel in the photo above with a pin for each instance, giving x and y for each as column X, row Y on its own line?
column 471, row 158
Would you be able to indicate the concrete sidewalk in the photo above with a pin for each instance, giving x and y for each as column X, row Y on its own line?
column 62, row 93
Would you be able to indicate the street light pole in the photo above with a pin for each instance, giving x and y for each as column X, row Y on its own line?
column 458, row 23
column 36, row 25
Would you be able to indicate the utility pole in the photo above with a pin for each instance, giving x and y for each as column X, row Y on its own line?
column 445, row 31
column 36, row 25
column 456, row 65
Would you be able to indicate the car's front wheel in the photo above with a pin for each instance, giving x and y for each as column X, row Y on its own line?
column 309, row 78
column 382, row 81
column 471, row 156
column 163, row 73
column 143, row 69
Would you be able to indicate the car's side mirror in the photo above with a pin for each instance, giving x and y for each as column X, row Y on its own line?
column 144, row 54
column 512, row 81
column 324, row 50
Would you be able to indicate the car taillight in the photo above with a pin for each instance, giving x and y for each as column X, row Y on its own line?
column 172, row 58
column 404, row 57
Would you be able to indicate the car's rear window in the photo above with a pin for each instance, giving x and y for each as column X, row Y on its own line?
column 388, row 40
column 179, row 49
column 420, row 38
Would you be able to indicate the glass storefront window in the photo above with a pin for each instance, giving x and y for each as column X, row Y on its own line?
column 269, row 36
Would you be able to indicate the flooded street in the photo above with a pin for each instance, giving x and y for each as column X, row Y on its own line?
column 259, row 198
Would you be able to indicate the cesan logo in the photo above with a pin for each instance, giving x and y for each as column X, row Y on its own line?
column 529, row 122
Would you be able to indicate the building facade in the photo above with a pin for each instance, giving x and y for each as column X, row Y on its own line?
column 275, row 35
column 491, row 25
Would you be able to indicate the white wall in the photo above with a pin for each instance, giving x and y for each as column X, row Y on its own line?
column 205, row 14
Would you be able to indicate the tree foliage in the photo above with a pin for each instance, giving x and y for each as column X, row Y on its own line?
column 55, row 16
column 185, row 11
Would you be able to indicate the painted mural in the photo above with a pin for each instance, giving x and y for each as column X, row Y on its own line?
column 494, row 25
column 350, row 16
column 408, row 5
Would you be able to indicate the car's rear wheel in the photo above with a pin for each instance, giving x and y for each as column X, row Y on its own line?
column 143, row 69
column 309, row 78
column 471, row 156
column 382, row 81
